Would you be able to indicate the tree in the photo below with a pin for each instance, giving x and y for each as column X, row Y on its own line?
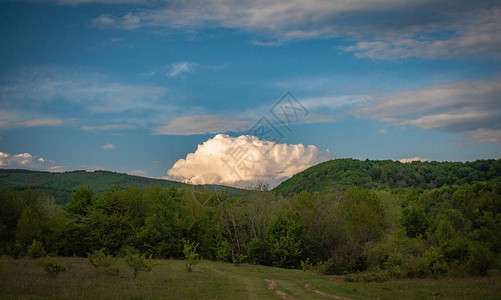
column 414, row 221
column 285, row 240
column 82, row 199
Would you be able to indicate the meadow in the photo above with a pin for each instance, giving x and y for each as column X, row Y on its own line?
column 25, row 279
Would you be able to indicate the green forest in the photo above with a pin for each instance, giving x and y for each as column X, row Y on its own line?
column 370, row 219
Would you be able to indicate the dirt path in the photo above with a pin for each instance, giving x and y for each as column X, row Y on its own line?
column 310, row 287
column 272, row 285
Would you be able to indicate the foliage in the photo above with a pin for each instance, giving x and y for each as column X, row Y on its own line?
column 103, row 262
column 138, row 263
column 36, row 250
column 340, row 174
column 190, row 255
column 414, row 221
column 371, row 276
column 239, row 258
column 306, row 265
column 285, row 240
column 452, row 230
column 63, row 185
column 51, row 266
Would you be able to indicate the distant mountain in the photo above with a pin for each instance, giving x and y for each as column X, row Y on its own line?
column 62, row 185
column 342, row 173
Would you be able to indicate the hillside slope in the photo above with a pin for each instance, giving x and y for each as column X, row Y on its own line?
column 342, row 173
column 62, row 185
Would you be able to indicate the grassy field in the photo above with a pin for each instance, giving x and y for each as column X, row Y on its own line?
column 25, row 278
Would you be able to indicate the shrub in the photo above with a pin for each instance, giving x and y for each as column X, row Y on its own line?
column 341, row 264
column 257, row 252
column 138, row 263
column 434, row 263
column 378, row 276
column 223, row 251
column 51, row 266
column 126, row 250
column 190, row 255
column 103, row 262
column 238, row 258
column 306, row 265
column 36, row 249
column 481, row 260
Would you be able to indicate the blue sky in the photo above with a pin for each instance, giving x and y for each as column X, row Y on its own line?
column 135, row 85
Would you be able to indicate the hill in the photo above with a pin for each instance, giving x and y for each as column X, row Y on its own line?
column 339, row 174
column 62, row 185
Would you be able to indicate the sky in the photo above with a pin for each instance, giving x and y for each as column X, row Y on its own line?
column 235, row 92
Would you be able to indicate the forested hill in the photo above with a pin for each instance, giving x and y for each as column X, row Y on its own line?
column 342, row 173
column 62, row 185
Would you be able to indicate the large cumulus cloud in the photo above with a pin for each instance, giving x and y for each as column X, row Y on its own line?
column 244, row 160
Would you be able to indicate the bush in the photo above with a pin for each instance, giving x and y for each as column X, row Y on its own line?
column 341, row 264
column 257, row 252
column 480, row 261
column 138, row 263
column 238, row 258
column 306, row 265
column 51, row 266
column 434, row 264
column 223, row 251
column 103, row 262
column 126, row 250
column 36, row 250
column 190, row 255
column 378, row 276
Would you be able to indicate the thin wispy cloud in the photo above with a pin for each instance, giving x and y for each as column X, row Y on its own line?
column 470, row 106
column 107, row 127
column 181, row 68
column 116, row 2
column 96, row 92
column 202, row 124
column 418, row 28
column 10, row 119
column 108, row 146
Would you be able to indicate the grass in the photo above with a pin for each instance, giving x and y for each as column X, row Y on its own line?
column 25, row 278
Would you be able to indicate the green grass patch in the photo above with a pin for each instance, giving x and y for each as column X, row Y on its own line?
column 25, row 278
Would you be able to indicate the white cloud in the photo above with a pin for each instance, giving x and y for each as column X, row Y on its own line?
column 24, row 161
column 108, row 146
column 61, row 169
column 465, row 106
column 201, row 124
column 107, row 127
column 32, row 162
column 478, row 33
column 289, row 19
column 486, row 135
column 244, row 160
column 409, row 160
column 94, row 91
column 336, row 102
column 16, row 119
column 181, row 68
column 76, row 2
column 382, row 29
column 138, row 173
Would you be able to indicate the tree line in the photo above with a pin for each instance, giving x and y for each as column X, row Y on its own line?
column 399, row 232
